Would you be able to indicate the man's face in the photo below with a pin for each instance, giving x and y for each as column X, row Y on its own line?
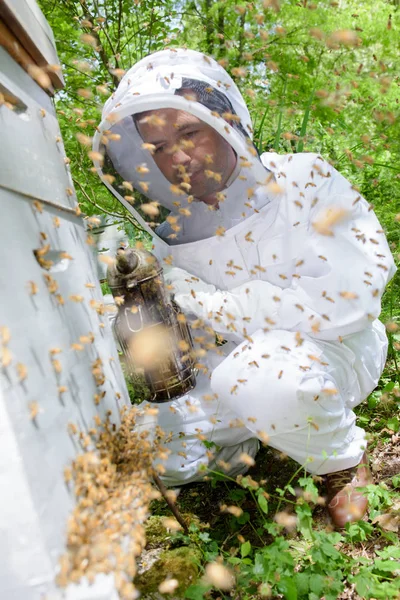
column 185, row 148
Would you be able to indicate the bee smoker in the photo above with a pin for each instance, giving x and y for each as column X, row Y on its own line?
column 153, row 335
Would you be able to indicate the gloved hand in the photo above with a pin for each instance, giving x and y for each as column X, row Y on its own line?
column 238, row 312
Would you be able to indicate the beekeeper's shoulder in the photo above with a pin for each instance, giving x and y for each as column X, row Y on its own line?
column 301, row 162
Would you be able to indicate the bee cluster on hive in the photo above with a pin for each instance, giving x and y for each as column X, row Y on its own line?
column 112, row 484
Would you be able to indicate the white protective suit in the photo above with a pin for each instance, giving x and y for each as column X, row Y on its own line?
column 289, row 270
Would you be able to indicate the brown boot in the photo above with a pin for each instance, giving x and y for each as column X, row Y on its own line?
column 345, row 503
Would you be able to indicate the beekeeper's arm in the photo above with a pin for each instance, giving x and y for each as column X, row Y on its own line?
column 337, row 292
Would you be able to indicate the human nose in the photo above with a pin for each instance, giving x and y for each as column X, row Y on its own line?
column 180, row 157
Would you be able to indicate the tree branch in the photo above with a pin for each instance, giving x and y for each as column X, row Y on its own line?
column 99, row 46
column 127, row 216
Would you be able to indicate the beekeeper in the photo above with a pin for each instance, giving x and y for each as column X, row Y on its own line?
column 278, row 255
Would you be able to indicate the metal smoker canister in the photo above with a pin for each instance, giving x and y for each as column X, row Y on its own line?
column 155, row 341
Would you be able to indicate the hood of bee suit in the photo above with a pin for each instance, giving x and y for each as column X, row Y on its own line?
column 151, row 85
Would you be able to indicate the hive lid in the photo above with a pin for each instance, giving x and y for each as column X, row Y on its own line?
column 27, row 37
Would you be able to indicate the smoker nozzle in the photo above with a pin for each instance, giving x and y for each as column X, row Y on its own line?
column 127, row 262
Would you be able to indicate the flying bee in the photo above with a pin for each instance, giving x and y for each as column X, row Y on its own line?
column 153, row 120
column 127, row 185
column 254, row 363
column 315, row 327
column 5, row 334
column 185, row 211
column 77, row 347
column 348, row 295
column 330, row 218
column 38, row 206
column 144, row 185
column 5, row 356
column 212, row 175
column 56, row 365
column 329, row 391
column 22, row 371
column 149, row 147
column 246, row 459
column 67, row 474
column 54, row 351
column 33, row 410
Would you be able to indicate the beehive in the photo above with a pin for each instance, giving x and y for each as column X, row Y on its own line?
column 52, row 327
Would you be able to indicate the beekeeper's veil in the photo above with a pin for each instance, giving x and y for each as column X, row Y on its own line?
column 128, row 168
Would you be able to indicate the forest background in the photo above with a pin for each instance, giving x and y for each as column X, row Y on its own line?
column 320, row 76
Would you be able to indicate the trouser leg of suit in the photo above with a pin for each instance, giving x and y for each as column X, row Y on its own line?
column 298, row 391
column 200, row 432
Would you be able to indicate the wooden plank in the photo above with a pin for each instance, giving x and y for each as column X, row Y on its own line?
column 26, row 22
column 16, row 51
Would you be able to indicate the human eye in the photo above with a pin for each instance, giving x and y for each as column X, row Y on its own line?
column 159, row 149
column 187, row 139
column 190, row 134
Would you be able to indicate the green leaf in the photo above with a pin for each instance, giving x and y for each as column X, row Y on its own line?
column 317, row 584
column 245, row 549
column 287, row 587
column 236, row 495
column 197, row 591
column 272, row 528
column 330, row 550
column 389, row 552
column 359, row 532
column 302, row 583
column 393, row 423
column 263, row 503
column 244, row 518
column 304, row 515
column 373, row 400
column 387, row 565
column 389, row 386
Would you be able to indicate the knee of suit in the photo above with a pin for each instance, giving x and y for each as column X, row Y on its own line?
column 277, row 384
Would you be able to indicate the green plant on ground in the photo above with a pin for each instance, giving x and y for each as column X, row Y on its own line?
column 278, row 545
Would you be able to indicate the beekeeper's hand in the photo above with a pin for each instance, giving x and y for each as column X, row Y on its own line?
column 240, row 311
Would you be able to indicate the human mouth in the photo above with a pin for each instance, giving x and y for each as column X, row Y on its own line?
column 195, row 175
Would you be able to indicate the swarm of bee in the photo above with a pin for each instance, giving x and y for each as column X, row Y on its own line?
column 112, row 477
column 112, row 481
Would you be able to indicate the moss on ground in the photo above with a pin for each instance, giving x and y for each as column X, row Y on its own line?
column 156, row 533
column 181, row 564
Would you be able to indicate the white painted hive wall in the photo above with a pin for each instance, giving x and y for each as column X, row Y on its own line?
column 34, row 499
